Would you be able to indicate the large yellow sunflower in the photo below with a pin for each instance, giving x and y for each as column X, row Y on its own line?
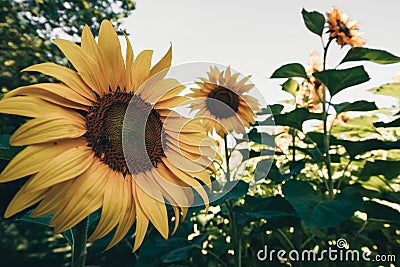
column 343, row 30
column 84, row 154
column 222, row 102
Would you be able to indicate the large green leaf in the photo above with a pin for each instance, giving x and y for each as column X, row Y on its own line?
column 390, row 89
column 373, row 55
column 296, row 117
column 377, row 211
column 360, row 105
column 314, row 21
column 262, row 168
column 290, row 70
column 389, row 169
column 317, row 211
column 337, row 80
column 260, row 138
column 355, row 148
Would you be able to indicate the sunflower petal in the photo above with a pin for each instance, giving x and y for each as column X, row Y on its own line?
column 53, row 92
column 33, row 158
column 89, row 45
column 87, row 67
column 69, row 164
column 84, row 197
column 27, row 106
column 112, row 206
column 24, row 199
column 149, row 195
column 142, row 223
column 128, row 214
column 42, row 130
column 66, row 75
column 111, row 51
column 52, row 199
column 129, row 59
column 163, row 64
column 141, row 68
column 172, row 102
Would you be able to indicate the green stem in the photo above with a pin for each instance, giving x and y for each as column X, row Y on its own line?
column 228, row 171
column 235, row 236
column 293, row 132
column 326, row 133
column 79, row 247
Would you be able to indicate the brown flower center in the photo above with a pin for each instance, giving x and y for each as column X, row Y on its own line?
column 343, row 28
column 143, row 132
column 222, row 102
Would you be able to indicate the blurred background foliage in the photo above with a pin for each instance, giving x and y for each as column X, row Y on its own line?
column 293, row 206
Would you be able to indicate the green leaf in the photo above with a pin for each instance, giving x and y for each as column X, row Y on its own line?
column 260, row 138
column 296, row 117
column 319, row 212
column 361, row 127
column 290, row 71
column 390, row 89
column 355, row 148
column 337, row 80
column 373, row 55
column 262, row 168
column 314, row 21
column 377, row 211
column 291, row 86
column 360, row 105
column 178, row 254
column 249, row 154
column 389, row 169
column 394, row 123
column 8, row 152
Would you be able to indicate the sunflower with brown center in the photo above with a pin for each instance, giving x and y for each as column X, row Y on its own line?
column 106, row 138
column 343, row 30
column 222, row 102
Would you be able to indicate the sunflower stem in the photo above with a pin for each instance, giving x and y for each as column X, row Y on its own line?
column 236, row 235
column 79, row 247
column 326, row 132
column 228, row 171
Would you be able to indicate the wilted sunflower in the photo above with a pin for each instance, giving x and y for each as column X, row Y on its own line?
column 221, row 102
column 343, row 30
column 310, row 93
column 75, row 154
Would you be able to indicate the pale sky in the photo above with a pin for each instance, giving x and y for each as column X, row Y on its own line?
column 256, row 37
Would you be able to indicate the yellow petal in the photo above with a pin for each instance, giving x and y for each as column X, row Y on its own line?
column 87, row 67
column 129, row 64
column 24, row 199
column 112, row 206
column 69, row 164
column 174, row 173
column 183, row 125
column 141, row 68
column 89, row 45
column 84, row 197
column 163, row 64
column 33, row 158
column 172, row 102
column 155, row 88
column 53, row 92
column 41, row 130
column 142, row 223
column 52, row 199
column 66, row 75
column 111, row 51
column 128, row 214
column 148, row 194
column 27, row 106
column 174, row 190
